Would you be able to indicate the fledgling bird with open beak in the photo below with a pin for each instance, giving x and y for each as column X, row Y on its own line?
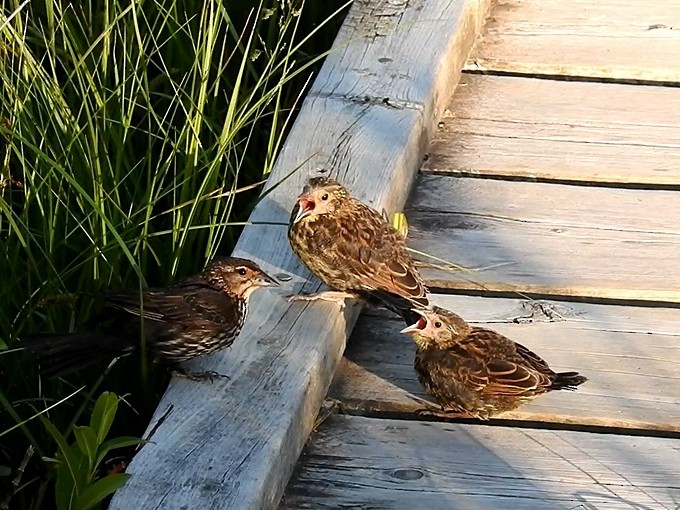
column 352, row 249
column 476, row 372
column 197, row 316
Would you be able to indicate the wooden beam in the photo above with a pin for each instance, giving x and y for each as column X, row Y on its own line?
column 356, row 462
column 631, row 356
column 549, row 239
column 501, row 126
column 614, row 39
column 233, row 443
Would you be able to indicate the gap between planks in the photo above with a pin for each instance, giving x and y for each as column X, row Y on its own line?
column 387, row 410
column 465, row 285
column 566, row 78
column 630, row 355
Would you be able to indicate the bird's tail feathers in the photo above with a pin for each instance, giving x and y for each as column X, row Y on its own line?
column 62, row 354
column 568, row 381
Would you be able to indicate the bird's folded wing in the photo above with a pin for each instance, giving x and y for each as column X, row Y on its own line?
column 194, row 302
column 380, row 260
column 532, row 359
column 502, row 377
column 129, row 301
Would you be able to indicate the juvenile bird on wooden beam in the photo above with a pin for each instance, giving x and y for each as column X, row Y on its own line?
column 476, row 372
column 353, row 250
column 197, row 316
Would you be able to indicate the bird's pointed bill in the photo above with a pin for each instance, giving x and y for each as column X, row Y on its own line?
column 305, row 207
column 420, row 325
column 264, row 280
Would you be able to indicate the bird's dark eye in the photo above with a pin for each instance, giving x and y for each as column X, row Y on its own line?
column 437, row 324
column 324, row 196
column 242, row 271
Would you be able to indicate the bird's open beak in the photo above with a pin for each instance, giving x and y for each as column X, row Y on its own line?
column 418, row 326
column 264, row 280
column 305, row 207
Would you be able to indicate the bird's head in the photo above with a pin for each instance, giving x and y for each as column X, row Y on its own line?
column 238, row 277
column 321, row 195
column 437, row 327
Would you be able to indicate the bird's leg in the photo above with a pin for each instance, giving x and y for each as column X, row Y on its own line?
column 197, row 375
column 334, row 296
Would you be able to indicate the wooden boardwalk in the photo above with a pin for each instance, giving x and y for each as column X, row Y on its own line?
column 549, row 162
column 555, row 175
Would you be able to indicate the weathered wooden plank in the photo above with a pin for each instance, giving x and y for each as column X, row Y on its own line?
column 549, row 239
column 631, row 356
column 616, row 39
column 356, row 462
column 435, row 37
column 233, row 443
column 588, row 132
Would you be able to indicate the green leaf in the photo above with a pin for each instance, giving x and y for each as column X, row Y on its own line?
column 87, row 442
column 99, row 490
column 116, row 442
column 70, row 460
column 400, row 223
column 3, row 345
column 103, row 414
column 64, row 488
column 70, row 478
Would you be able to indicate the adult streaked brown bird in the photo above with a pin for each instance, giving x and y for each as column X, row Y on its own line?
column 199, row 315
column 477, row 372
column 353, row 250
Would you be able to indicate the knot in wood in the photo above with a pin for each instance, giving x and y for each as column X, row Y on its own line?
column 407, row 474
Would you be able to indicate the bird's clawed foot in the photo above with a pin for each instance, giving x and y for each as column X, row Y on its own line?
column 201, row 375
column 334, row 296
column 427, row 412
column 329, row 407
column 429, row 409
column 434, row 410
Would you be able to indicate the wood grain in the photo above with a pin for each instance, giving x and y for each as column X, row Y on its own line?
column 615, row 39
column 631, row 356
column 587, row 132
column 550, row 239
column 356, row 462
column 233, row 443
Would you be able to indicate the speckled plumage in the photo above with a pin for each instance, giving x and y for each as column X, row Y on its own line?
column 476, row 371
column 350, row 247
column 199, row 315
